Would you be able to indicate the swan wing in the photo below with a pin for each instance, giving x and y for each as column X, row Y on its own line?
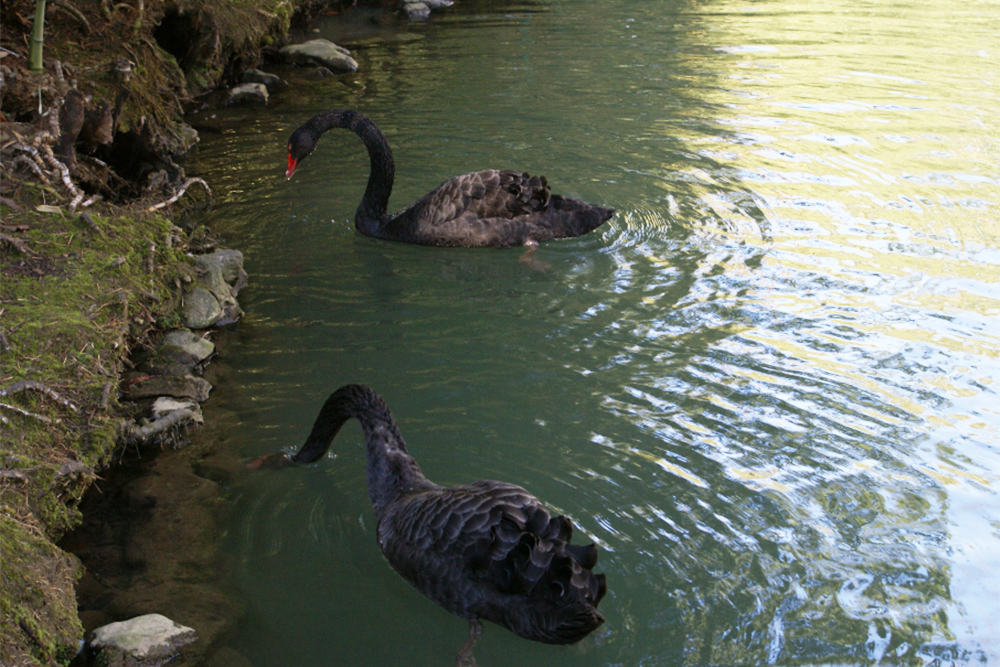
column 490, row 193
column 491, row 550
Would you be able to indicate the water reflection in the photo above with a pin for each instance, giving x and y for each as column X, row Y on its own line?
column 767, row 389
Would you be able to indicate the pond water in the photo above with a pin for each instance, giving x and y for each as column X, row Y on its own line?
column 767, row 388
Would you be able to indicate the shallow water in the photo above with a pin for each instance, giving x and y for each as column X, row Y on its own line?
column 767, row 389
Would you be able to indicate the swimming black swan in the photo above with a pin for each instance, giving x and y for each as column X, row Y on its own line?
column 486, row 550
column 485, row 208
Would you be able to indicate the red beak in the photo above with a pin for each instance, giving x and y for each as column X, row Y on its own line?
column 292, row 166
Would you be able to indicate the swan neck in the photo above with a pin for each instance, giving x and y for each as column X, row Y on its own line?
column 371, row 213
column 390, row 469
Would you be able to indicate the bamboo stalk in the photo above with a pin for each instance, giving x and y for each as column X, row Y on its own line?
column 37, row 38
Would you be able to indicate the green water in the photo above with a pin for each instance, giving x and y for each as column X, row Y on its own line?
column 767, row 388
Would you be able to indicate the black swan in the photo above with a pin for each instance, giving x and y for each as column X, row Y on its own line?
column 484, row 208
column 486, row 550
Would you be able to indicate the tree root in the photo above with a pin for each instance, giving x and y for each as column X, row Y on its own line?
column 141, row 434
column 180, row 193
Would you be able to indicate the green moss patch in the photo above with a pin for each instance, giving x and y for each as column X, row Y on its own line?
column 75, row 293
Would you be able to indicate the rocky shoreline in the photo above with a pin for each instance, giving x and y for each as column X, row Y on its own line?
column 108, row 309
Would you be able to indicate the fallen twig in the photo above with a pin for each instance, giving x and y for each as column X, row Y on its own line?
column 22, row 385
column 18, row 244
column 26, row 413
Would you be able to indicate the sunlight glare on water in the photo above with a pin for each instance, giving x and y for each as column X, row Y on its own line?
column 766, row 389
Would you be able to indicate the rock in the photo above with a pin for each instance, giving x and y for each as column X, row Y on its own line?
column 73, row 469
column 416, row 10
column 320, row 52
column 229, row 263
column 186, row 347
column 272, row 82
column 421, row 9
column 212, row 302
column 143, row 641
column 186, row 386
column 181, row 350
column 201, row 309
column 185, row 137
column 247, row 93
column 165, row 406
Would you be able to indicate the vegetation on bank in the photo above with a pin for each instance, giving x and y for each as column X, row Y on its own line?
column 86, row 271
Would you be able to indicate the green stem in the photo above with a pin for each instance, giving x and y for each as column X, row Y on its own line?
column 37, row 38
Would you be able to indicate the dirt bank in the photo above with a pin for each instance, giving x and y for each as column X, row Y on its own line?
column 92, row 257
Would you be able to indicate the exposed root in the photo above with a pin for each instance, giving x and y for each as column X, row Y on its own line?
column 73, row 11
column 180, row 193
column 42, row 156
column 142, row 434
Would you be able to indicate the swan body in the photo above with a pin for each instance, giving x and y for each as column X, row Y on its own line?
column 483, row 208
column 487, row 550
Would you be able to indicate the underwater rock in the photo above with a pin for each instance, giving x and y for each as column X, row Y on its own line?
column 143, row 641
column 320, row 52
column 272, row 82
column 247, row 93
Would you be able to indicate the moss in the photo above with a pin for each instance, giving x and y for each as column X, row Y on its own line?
column 71, row 309
column 76, row 292
column 37, row 606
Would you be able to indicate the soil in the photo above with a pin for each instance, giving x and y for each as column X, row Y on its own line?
column 92, row 270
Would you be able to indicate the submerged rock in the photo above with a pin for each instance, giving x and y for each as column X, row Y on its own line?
column 272, row 82
column 415, row 9
column 421, row 9
column 143, row 641
column 320, row 52
column 247, row 93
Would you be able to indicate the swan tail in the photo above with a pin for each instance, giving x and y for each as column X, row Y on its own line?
column 554, row 580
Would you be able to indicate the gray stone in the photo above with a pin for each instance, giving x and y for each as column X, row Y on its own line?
column 178, row 386
column 143, row 641
column 165, row 406
column 247, row 93
column 320, row 52
column 273, row 82
column 186, row 347
column 416, row 10
column 212, row 301
column 185, row 138
column 201, row 309
column 229, row 261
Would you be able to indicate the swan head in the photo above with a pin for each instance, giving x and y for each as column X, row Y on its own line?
column 300, row 145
